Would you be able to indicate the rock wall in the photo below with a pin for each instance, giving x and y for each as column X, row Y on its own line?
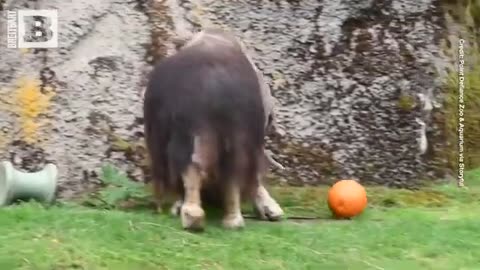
column 93, row 83
column 358, row 85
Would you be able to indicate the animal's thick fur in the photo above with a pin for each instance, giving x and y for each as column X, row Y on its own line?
column 210, row 38
column 208, row 97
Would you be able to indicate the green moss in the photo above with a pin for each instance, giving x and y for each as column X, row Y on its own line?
column 475, row 11
column 119, row 144
column 456, row 9
column 471, row 112
column 312, row 158
column 472, row 123
column 406, row 103
column 409, row 198
column 466, row 15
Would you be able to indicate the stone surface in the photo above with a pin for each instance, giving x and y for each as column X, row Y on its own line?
column 96, row 76
column 339, row 70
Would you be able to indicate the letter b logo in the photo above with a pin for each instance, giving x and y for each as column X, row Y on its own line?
column 37, row 29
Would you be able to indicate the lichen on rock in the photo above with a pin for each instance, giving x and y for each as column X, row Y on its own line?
column 31, row 103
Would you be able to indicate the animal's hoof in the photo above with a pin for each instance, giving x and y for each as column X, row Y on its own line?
column 193, row 217
column 233, row 221
column 268, row 210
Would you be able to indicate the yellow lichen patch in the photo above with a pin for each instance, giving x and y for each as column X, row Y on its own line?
column 30, row 103
column 278, row 80
column 24, row 50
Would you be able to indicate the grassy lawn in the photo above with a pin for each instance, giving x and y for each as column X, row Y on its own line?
column 434, row 228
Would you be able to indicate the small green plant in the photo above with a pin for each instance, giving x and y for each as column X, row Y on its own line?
column 118, row 188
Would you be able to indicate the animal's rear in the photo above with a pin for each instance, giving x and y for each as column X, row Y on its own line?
column 207, row 103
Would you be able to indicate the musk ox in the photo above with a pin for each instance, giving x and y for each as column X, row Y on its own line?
column 206, row 112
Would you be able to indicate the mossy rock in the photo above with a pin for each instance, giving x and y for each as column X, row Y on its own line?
column 466, row 13
column 406, row 103
column 471, row 113
column 475, row 12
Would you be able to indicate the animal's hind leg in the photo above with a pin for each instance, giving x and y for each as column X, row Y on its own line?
column 192, row 214
column 233, row 218
column 157, row 195
column 162, row 199
column 265, row 206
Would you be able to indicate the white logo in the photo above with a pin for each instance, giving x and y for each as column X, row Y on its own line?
column 32, row 29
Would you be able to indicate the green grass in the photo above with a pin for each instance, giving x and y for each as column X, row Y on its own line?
column 433, row 228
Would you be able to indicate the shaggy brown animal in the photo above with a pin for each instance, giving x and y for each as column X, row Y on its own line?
column 206, row 114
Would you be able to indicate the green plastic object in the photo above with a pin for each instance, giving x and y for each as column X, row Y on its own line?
column 17, row 185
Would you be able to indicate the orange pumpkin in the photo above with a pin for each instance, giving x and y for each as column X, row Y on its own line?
column 347, row 198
